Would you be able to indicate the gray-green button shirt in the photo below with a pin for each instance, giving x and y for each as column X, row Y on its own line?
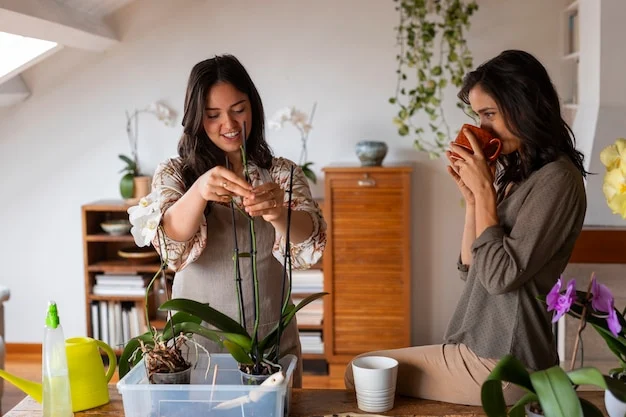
column 498, row 312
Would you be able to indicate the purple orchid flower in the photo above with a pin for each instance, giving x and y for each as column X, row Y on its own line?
column 602, row 299
column 558, row 302
column 613, row 322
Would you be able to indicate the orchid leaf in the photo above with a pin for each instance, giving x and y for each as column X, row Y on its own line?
column 587, row 376
column 206, row 313
column 616, row 345
column 508, row 369
column 237, row 353
column 617, row 388
column 131, row 346
column 518, row 409
column 556, row 393
column 190, row 327
column 290, row 312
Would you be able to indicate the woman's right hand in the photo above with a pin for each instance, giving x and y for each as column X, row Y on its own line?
column 220, row 184
column 452, row 170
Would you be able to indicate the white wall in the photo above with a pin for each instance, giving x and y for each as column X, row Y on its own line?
column 59, row 149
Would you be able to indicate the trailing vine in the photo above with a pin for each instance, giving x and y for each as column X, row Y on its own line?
column 433, row 55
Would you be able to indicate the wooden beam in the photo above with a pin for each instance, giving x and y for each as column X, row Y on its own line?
column 13, row 91
column 49, row 20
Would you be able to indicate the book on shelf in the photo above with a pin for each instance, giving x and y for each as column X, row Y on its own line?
column 116, row 322
column 308, row 281
column 120, row 284
column 311, row 342
column 311, row 314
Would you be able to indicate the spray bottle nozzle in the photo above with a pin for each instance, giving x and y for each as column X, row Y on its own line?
column 52, row 318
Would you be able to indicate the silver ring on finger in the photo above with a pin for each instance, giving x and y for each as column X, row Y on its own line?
column 225, row 184
column 275, row 203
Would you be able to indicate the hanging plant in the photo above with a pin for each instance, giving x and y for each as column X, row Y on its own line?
column 433, row 55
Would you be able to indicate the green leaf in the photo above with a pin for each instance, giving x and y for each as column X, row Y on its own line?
column 237, row 353
column 288, row 315
column 206, row 313
column 130, row 348
column 587, row 376
column 556, row 393
column 617, row 388
column 308, row 172
column 127, row 185
column 190, row 327
column 508, row 369
column 131, row 164
column 518, row 407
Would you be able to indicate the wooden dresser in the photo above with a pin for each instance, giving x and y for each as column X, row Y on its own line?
column 367, row 262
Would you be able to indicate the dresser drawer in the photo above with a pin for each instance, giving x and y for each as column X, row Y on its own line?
column 366, row 180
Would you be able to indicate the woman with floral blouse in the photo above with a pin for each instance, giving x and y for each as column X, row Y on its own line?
column 221, row 105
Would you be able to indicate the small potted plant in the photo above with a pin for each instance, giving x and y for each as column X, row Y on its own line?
column 134, row 184
column 160, row 349
column 303, row 123
column 596, row 307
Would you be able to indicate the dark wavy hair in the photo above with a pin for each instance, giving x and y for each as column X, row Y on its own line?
column 197, row 151
column 524, row 93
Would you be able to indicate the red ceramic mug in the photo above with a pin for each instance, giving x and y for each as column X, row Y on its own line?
column 491, row 146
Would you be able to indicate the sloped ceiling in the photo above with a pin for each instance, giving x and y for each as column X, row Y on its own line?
column 72, row 23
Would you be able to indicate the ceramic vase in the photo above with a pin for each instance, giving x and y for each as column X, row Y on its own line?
column 614, row 407
column 371, row 153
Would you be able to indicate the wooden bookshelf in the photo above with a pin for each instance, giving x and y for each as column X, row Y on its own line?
column 100, row 257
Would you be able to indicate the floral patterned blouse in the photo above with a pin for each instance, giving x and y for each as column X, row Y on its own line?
column 169, row 180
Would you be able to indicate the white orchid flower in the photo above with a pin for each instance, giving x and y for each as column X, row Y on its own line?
column 145, row 218
column 299, row 118
column 145, row 229
column 279, row 118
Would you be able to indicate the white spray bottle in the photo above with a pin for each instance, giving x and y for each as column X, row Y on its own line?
column 57, row 397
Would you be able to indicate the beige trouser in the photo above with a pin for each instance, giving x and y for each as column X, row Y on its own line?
column 450, row 373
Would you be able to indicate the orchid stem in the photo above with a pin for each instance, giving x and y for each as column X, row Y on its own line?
column 582, row 324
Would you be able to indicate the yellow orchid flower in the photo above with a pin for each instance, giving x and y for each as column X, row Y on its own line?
column 614, row 189
column 614, row 156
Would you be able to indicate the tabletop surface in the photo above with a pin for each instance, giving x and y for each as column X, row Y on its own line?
column 312, row 403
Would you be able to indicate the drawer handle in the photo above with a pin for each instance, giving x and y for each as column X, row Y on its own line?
column 367, row 182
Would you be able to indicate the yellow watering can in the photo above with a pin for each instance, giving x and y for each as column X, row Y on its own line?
column 88, row 381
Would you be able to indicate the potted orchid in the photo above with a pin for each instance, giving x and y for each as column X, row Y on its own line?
column 303, row 123
column 256, row 356
column 161, row 349
column 134, row 183
column 595, row 306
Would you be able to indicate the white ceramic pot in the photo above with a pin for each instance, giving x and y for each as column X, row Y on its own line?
column 614, row 407
column 530, row 413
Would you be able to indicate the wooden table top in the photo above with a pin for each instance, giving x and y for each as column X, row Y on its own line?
column 312, row 403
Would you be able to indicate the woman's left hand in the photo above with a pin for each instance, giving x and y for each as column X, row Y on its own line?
column 473, row 169
column 267, row 202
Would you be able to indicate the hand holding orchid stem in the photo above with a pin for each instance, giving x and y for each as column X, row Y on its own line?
column 303, row 123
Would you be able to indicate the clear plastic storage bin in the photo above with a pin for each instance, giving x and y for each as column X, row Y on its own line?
column 199, row 399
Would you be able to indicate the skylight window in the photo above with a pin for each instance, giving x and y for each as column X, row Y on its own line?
column 16, row 51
